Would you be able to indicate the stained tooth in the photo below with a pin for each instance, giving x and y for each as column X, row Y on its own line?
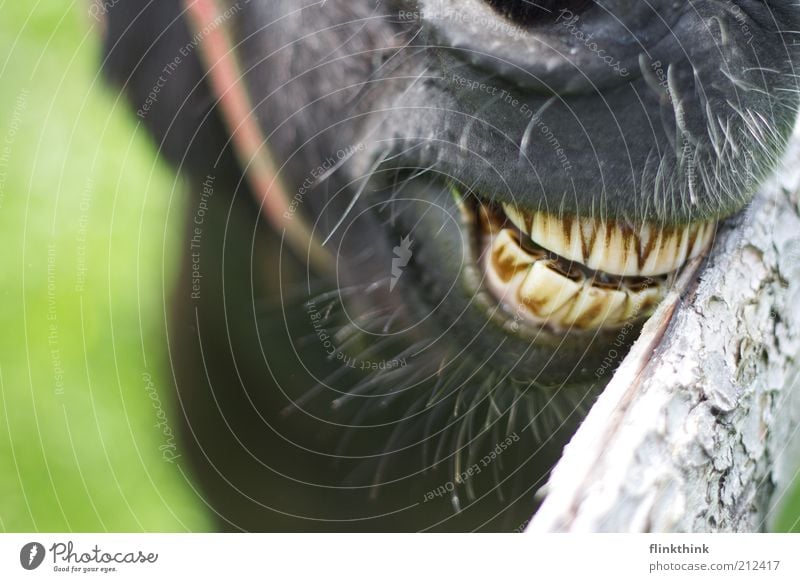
column 711, row 230
column 683, row 248
column 694, row 240
column 632, row 262
column 548, row 296
column 597, row 254
column 588, row 236
column 516, row 217
column 663, row 256
column 507, row 257
column 544, row 291
column 613, row 248
column 560, row 317
column 614, row 305
column 644, row 240
column 593, row 306
column 700, row 240
column 620, row 256
column 576, row 241
column 538, row 228
column 705, row 232
column 643, row 246
column 641, row 302
column 651, row 259
column 666, row 259
column 486, row 221
column 551, row 234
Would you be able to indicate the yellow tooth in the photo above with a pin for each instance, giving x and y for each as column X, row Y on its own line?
column 508, row 258
column 614, row 305
column 613, row 250
column 641, row 302
column 598, row 250
column 544, row 291
column 538, row 232
column 644, row 239
column 705, row 232
column 576, row 241
column 594, row 306
column 662, row 256
column 621, row 253
column 587, row 233
column 646, row 299
column 535, row 287
column 550, row 298
column 696, row 234
column 683, row 248
column 629, row 308
column 550, row 233
column 577, row 308
column 516, row 217
column 651, row 256
column 608, row 247
column 666, row 258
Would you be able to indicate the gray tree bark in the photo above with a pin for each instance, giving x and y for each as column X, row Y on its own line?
column 698, row 429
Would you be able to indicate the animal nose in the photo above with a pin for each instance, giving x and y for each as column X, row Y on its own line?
column 546, row 46
column 532, row 12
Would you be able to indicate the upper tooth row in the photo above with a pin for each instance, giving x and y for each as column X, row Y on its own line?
column 612, row 248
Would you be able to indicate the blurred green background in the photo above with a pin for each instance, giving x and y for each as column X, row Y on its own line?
column 88, row 216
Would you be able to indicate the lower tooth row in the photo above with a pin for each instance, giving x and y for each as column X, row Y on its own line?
column 545, row 295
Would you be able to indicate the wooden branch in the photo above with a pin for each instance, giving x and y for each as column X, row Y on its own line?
column 697, row 430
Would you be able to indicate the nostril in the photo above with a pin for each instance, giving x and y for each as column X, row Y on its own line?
column 531, row 12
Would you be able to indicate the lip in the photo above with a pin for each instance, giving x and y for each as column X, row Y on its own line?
column 575, row 275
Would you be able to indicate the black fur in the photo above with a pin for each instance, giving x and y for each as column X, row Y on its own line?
column 678, row 119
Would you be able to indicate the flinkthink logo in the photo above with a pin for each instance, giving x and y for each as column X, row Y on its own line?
column 402, row 255
column 31, row 555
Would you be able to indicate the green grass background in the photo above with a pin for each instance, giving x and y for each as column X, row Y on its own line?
column 83, row 193
column 79, row 441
